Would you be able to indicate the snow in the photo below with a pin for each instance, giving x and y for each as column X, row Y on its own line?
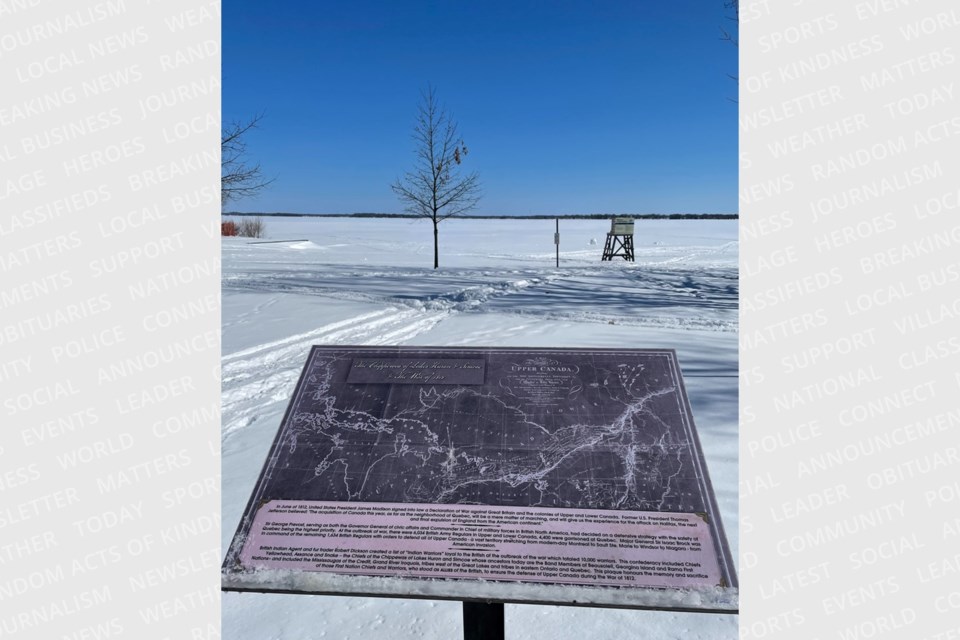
column 369, row 282
column 282, row 580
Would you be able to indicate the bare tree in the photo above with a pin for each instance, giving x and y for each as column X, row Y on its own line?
column 733, row 6
column 238, row 177
column 734, row 39
column 435, row 188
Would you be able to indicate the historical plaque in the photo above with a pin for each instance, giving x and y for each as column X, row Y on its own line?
column 520, row 475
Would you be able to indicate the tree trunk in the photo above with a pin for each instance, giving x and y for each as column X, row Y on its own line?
column 436, row 251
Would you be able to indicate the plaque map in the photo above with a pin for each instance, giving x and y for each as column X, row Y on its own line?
column 542, row 430
column 558, row 428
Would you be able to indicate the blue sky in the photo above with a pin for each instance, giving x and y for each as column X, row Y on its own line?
column 566, row 107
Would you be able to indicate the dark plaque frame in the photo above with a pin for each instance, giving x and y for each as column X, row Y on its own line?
column 512, row 418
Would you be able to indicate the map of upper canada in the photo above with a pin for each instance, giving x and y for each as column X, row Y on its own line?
column 596, row 429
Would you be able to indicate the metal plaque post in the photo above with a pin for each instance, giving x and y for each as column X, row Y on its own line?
column 483, row 621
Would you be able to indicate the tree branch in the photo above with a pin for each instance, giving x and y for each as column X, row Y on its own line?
column 238, row 179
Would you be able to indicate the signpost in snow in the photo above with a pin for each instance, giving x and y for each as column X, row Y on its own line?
column 564, row 476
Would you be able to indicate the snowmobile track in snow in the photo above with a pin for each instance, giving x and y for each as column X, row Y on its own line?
column 265, row 374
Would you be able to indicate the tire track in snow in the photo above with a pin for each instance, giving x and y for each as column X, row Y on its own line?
column 253, row 380
column 698, row 252
column 243, row 353
column 471, row 291
column 695, row 291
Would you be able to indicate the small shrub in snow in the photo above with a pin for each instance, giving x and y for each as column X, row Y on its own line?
column 251, row 228
column 228, row 229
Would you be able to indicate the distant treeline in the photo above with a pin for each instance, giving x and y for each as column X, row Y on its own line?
column 585, row 216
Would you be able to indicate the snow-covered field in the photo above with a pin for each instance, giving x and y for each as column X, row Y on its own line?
column 369, row 282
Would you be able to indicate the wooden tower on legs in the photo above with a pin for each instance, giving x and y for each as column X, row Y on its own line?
column 619, row 240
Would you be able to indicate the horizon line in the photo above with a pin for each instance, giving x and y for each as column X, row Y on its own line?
column 539, row 216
